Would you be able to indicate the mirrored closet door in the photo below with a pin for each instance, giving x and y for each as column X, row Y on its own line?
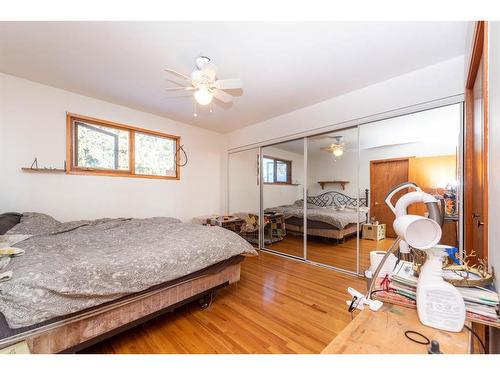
column 243, row 194
column 345, row 176
column 423, row 148
column 333, row 217
column 282, row 197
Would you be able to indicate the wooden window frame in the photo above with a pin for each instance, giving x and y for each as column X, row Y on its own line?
column 289, row 171
column 71, row 168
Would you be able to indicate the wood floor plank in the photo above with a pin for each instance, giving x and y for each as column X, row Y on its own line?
column 278, row 306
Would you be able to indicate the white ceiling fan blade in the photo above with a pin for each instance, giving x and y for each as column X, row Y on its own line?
column 178, row 74
column 222, row 96
column 229, row 84
column 180, row 88
column 185, row 83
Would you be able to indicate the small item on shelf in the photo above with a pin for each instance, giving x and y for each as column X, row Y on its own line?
column 481, row 303
column 456, row 269
column 34, row 168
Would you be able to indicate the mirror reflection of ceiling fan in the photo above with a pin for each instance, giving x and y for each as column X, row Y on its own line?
column 337, row 147
column 204, row 83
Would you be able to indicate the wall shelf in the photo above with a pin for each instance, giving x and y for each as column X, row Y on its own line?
column 44, row 170
column 341, row 183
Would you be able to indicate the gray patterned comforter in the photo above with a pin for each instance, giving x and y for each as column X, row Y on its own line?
column 68, row 267
column 329, row 215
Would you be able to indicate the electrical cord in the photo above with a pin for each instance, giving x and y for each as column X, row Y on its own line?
column 425, row 340
column 478, row 338
column 378, row 290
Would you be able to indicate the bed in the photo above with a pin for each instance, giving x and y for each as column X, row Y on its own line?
column 80, row 282
column 332, row 215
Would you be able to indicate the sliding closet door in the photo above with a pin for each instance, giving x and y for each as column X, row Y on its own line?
column 333, row 216
column 421, row 147
column 282, row 197
column 243, row 194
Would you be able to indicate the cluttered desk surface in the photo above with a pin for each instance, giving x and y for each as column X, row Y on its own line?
column 383, row 332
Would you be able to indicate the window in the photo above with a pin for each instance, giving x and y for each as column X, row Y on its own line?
column 276, row 171
column 105, row 148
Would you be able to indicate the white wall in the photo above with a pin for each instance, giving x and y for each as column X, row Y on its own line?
column 243, row 190
column 433, row 82
column 494, row 162
column 32, row 123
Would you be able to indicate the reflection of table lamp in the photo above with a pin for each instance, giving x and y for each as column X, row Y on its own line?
column 413, row 231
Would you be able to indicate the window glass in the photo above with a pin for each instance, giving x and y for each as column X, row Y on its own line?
column 281, row 171
column 154, row 155
column 268, row 170
column 106, row 148
column 101, row 147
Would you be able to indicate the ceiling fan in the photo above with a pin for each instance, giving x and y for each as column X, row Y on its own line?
column 337, row 147
column 204, row 83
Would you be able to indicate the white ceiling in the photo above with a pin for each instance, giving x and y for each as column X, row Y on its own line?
column 284, row 65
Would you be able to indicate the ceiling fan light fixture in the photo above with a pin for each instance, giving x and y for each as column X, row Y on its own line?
column 338, row 151
column 203, row 96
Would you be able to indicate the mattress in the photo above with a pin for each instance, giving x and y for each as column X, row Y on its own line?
column 6, row 331
column 69, row 267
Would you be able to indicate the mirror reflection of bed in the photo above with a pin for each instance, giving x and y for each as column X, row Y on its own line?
column 345, row 176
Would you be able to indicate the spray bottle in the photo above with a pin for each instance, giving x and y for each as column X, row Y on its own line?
column 439, row 304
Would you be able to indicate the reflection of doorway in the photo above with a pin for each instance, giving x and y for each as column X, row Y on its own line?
column 384, row 175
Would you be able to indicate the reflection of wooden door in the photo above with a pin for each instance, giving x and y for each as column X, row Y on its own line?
column 476, row 147
column 384, row 175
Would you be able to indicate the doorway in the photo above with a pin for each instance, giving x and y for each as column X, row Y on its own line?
column 384, row 175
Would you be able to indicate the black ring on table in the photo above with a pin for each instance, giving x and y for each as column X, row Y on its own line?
column 426, row 342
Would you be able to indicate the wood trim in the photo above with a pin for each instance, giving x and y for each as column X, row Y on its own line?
column 391, row 159
column 479, row 50
column 69, row 147
column 468, row 147
column 477, row 53
column 485, row 79
column 73, row 169
column 119, row 126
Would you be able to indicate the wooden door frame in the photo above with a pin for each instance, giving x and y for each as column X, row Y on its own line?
column 479, row 50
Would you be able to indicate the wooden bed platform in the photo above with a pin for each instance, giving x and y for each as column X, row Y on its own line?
column 83, row 330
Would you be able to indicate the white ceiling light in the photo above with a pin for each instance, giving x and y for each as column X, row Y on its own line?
column 338, row 151
column 203, row 81
column 337, row 148
column 203, row 96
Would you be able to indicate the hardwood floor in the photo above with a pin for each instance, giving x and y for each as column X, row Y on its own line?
column 278, row 306
column 340, row 255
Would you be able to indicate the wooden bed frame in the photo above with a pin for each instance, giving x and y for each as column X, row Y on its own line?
column 78, row 332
